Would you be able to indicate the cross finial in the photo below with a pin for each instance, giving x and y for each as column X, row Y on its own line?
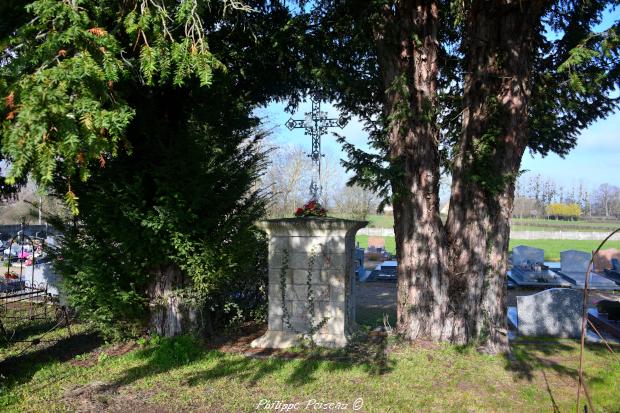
column 315, row 124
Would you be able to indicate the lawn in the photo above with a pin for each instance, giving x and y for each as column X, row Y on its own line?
column 182, row 375
column 523, row 224
column 552, row 247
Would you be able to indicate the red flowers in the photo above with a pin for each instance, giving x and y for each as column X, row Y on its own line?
column 311, row 209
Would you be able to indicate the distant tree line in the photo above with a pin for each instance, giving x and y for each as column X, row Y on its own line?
column 542, row 197
column 287, row 179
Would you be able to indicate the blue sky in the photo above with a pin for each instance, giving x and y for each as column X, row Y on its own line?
column 595, row 159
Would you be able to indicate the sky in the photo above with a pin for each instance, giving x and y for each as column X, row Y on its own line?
column 593, row 161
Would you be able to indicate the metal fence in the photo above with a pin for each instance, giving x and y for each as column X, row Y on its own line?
column 30, row 230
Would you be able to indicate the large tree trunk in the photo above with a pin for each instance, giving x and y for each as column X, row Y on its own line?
column 452, row 279
column 170, row 313
column 494, row 136
column 407, row 44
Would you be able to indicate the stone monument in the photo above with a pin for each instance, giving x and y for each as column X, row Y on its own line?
column 574, row 261
column 311, row 281
column 602, row 260
column 523, row 255
column 551, row 313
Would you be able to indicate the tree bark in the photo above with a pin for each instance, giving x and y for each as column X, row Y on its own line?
column 170, row 313
column 407, row 43
column 494, row 137
column 452, row 278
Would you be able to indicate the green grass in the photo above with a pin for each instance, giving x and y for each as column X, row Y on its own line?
column 523, row 224
column 182, row 374
column 380, row 221
column 552, row 247
column 600, row 225
column 390, row 242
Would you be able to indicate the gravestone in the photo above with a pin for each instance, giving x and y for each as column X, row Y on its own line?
column 323, row 248
column 574, row 266
column 614, row 273
column 602, row 260
column 574, row 261
column 524, row 255
column 556, row 312
column 376, row 242
column 537, row 279
column 528, row 269
column 359, row 261
column 386, row 271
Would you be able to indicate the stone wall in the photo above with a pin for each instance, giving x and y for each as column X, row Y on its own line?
column 323, row 248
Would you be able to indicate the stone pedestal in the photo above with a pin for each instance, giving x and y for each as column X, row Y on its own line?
column 323, row 248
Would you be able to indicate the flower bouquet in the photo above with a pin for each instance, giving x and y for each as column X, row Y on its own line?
column 9, row 275
column 311, row 209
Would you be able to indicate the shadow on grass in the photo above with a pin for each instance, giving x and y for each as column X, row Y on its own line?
column 21, row 367
column 24, row 331
column 369, row 351
column 541, row 356
column 531, row 355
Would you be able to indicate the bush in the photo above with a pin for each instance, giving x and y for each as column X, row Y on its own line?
column 185, row 198
column 563, row 211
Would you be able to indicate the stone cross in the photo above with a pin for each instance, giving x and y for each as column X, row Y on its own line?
column 315, row 124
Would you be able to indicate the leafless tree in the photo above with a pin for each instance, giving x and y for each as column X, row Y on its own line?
column 287, row 179
column 355, row 202
column 607, row 198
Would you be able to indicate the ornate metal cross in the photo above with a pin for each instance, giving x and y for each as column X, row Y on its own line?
column 315, row 124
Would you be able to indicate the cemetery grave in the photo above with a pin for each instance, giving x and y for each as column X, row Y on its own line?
column 614, row 272
column 360, row 270
column 25, row 295
column 555, row 312
column 385, row 271
column 530, row 270
column 606, row 317
column 574, row 265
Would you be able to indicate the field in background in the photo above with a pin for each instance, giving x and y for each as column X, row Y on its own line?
column 552, row 247
column 524, row 224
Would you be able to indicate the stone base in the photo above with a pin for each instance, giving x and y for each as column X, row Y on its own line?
column 287, row 339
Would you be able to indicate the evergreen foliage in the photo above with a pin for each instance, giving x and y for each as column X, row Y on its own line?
column 184, row 199
column 575, row 76
column 126, row 111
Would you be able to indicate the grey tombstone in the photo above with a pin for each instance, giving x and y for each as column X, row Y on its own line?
column 574, row 261
column 556, row 312
column 574, row 265
column 527, row 255
column 359, row 262
column 525, row 272
column 537, row 279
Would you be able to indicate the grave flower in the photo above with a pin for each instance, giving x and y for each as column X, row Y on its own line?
column 311, row 209
column 10, row 275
